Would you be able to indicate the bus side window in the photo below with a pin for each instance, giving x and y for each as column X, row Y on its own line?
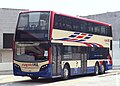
column 110, row 44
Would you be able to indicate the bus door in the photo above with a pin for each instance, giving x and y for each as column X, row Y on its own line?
column 83, row 63
column 56, row 59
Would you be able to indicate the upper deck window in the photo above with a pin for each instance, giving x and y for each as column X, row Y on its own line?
column 33, row 26
column 63, row 22
column 33, row 21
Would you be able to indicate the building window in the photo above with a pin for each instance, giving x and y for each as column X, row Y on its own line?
column 7, row 40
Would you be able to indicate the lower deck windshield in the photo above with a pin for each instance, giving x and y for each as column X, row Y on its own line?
column 30, row 52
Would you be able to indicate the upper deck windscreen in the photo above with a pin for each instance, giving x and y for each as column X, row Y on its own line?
column 33, row 26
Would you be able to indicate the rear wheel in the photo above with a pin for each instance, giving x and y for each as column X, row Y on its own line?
column 96, row 69
column 66, row 72
column 102, row 68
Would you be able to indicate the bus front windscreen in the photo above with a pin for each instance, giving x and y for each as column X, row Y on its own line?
column 31, row 52
column 33, row 26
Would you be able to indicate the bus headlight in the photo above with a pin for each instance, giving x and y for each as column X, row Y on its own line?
column 43, row 67
column 17, row 66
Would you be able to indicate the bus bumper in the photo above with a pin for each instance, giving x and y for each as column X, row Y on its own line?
column 42, row 73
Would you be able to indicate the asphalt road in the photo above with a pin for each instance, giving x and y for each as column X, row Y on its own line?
column 111, row 78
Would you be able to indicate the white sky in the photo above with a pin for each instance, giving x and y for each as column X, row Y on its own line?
column 71, row 7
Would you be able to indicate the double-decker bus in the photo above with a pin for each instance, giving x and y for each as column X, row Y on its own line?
column 49, row 44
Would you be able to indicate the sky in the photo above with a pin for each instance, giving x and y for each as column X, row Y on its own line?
column 70, row 7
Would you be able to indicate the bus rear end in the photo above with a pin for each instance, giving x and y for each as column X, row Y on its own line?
column 31, row 45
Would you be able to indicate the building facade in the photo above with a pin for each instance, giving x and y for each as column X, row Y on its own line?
column 8, row 20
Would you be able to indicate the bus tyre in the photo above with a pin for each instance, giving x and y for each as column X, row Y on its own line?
column 66, row 72
column 102, row 68
column 96, row 69
column 34, row 78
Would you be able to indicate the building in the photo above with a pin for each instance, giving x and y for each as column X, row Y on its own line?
column 8, row 20
column 112, row 18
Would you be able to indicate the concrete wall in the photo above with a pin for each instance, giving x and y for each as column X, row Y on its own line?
column 8, row 66
column 6, row 55
column 8, row 21
column 116, row 53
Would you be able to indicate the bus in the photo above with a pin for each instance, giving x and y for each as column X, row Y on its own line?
column 50, row 44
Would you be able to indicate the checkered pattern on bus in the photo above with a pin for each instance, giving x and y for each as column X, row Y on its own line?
column 81, row 38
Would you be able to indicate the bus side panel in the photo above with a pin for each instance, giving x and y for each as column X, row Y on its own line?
column 75, row 66
column 91, row 66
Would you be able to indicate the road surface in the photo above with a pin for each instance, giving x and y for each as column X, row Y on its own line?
column 111, row 78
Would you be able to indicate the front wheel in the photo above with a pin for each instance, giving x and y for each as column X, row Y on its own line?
column 66, row 72
column 34, row 78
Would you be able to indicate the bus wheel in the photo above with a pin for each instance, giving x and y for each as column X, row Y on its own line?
column 103, row 68
column 96, row 69
column 34, row 78
column 66, row 72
